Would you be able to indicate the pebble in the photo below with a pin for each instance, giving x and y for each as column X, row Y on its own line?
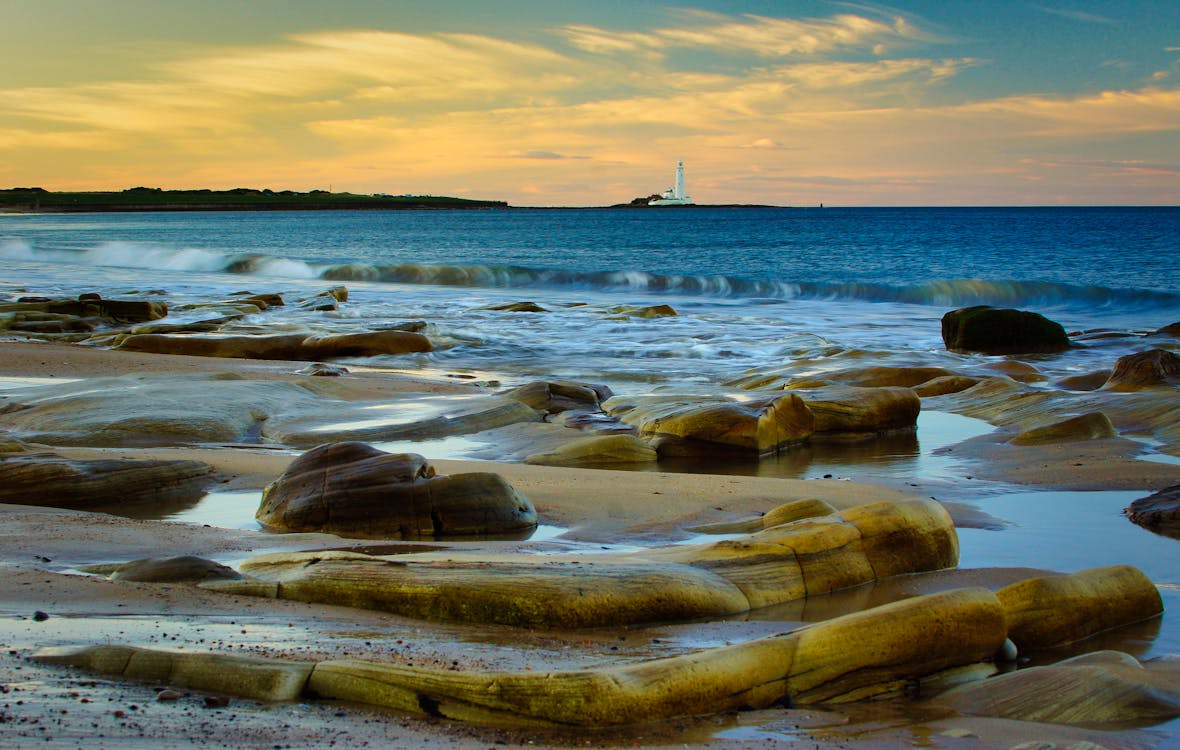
column 167, row 695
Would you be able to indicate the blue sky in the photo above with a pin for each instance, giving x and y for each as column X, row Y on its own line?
column 550, row 103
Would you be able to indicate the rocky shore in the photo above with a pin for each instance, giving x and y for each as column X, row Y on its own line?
column 391, row 598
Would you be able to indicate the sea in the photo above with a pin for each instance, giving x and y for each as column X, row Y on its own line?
column 754, row 288
column 788, row 292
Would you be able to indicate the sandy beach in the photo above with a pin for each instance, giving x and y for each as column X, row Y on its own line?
column 47, row 603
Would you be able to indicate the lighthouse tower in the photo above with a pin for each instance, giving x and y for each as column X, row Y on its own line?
column 675, row 195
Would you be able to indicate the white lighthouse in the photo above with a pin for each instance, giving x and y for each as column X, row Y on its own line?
column 673, row 196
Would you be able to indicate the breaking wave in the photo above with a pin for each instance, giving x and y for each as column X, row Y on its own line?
column 944, row 292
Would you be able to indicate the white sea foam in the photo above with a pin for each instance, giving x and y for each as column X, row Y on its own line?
column 14, row 250
column 138, row 255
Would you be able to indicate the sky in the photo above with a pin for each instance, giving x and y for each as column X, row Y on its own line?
column 550, row 103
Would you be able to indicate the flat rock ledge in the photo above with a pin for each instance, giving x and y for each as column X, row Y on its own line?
column 784, row 563
column 877, row 652
column 920, row 645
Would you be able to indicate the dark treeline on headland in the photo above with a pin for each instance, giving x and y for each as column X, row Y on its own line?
column 239, row 199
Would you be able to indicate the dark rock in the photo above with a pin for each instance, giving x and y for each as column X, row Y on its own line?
column 173, row 570
column 51, row 480
column 1168, row 330
column 353, row 488
column 40, row 616
column 991, row 330
column 323, row 370
column 365, row 344
column 1159, row 512
column 531, row 307
column 554, row 397
column 1157, row 368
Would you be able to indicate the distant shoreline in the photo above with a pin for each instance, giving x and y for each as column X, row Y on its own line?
column 36, row 200
column 134, row 200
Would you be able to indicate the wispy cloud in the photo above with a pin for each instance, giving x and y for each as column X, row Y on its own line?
column 749, row 33
column 1078, row 15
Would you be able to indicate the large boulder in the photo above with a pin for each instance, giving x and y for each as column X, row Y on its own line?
column 991, row 330
column 694, row 426
column 1157, row 368
column 109, row 484
column 1159, row 512
column 352, row 488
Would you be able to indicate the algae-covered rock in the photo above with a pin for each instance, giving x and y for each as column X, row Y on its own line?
column 776, row 565
column 878, row 652
column 1059, row 609
column 944, row 385
column 243, row 676
column 845, row 412
column 992, row 330
column 1091, row 426
column 1158, row 368
column 353, row 488
column 758, row 426
column 597, row 450
column 795, row 510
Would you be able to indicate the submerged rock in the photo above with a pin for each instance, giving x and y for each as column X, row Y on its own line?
column 1159, row 512
column 355, row 489
column 55, row 481
column 1157, row 368
column 991, row 330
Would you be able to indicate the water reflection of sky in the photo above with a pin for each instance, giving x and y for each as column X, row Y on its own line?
column 1072, row 531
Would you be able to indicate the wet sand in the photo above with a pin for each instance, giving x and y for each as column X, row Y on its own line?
column 41, row 549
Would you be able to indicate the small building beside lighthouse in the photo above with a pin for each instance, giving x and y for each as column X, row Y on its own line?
column 675, row 195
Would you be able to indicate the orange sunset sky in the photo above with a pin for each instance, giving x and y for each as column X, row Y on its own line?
column 548, row 103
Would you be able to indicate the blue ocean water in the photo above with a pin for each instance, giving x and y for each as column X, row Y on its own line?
column 755, row 288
